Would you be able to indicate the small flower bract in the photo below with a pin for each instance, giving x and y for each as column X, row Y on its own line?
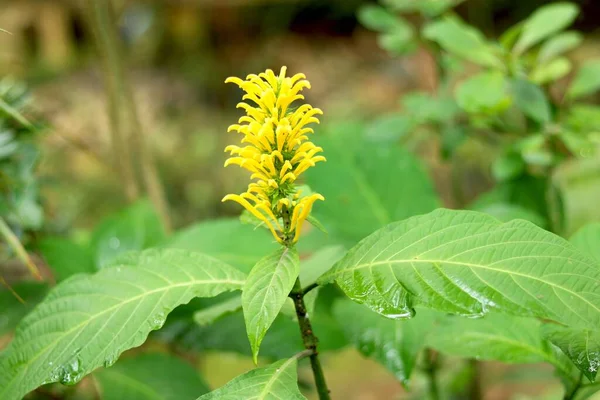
column 277, row 151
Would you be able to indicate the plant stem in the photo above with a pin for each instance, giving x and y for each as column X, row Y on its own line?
column 431, row 371
column 310, row 340
column 13, row 241
column 571, row 394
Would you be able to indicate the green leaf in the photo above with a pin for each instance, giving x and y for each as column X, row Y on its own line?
column 545, row 22
column 429, row 8
column 227, row 240
column 150, row 376
column 587, row 239
column 377, row 18
column 135, row 228
column 587, row 80
column 208, row 315
column 468, row 263
column 364, row 184
column 12, row 310
column 314, row 221
column 587, row 391
column 277, row 381
column 66, row 257
column 485, row 92
column 508, row 166
column 495, row 337
column 531, row 100
column 388, row 128
column 89, row 320
column 582, row 346
column 265, row 292
column 424, row 108
column 399, row 40
column 551, row 72
column 506, row 212
column 558, row 45
column 458, row 38
column 319, row 262
column 393, row 343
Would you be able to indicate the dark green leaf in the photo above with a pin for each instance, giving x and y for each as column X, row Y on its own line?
column 66, row 257
column 11, row 310
column 393, row 343
column 89, row 320
column 277, row 381
column 531, row 100
column 265, row 292
column 150, row 376
column 210, row 314
column 545, row 22
column 468, row 263
column 582, row 346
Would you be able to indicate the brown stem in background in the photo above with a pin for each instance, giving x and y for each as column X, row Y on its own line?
column 121, row 100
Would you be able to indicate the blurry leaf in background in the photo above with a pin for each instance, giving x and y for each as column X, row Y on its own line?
column 587, row 239
column 456, row 37
column 582, row 346
column 320, row 262
column 393, row 343
column 135, row 228
column 66, row 257
column 531, row 100
column 551, row 72
column 429, row 8
column 486, row 92
column 507, row 212
column 425, row 108
column 12, row 310
column 558, row 45
column 266, row 290
column 545, row 22
column 97, row 317
column 508, row 166
column 150, row 376
column 225, row 239
column 276, row 381
column 389, row 128
column 495, row 337
column 210, row 314
column 366, row 185
column 586, row 81
column 377, row 18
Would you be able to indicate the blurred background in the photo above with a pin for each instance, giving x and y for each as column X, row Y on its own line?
column 173, row 56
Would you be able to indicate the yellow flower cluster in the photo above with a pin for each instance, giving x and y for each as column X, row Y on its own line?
column 277, row 151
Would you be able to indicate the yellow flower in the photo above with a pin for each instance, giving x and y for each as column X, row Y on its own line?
column 277, row 151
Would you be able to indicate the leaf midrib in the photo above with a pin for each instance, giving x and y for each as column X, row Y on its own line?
column 274, row 378
column 165, row 288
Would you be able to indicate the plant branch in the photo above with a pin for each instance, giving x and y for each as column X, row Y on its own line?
column 310, row 340
column 570, row 395
column 18, row 248
column 309, row 288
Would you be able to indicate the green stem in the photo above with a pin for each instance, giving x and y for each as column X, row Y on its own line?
column 430, row 369
column 570, row 395
column 310, row 340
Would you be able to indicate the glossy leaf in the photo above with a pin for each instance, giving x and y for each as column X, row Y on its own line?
column 545, row 22
column 227, row 240
column 66, row 257
column 393, row 343
column 586, row 81
column 367, row 181
column 495, row 337
column 265, row 292
column 531, row 100
column 587, row 239
column 559, row 45
column 582, row 346
column 468, row 263
column 150, row 376
column 275, row 382
column 458, row 38
column 89, row 320
column 135, row 228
